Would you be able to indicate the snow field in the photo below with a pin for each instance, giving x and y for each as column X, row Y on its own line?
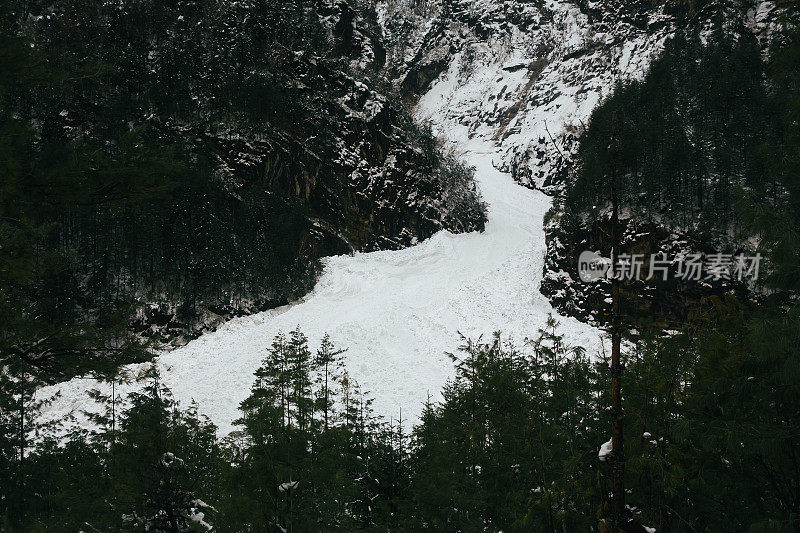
column 397, row 312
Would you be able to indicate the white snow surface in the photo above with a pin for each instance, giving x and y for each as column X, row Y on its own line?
column 397, row 312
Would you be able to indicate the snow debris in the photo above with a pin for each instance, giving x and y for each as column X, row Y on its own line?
column 476, row 283
column 399, row 311
column 605, row 450
column 289, row 485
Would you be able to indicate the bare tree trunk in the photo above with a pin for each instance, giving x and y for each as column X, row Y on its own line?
column 617, row 450
column 113, row 411
column 326, row 397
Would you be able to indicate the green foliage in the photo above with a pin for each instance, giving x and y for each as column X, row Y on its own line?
column 309, row 465
column 463, row 205
column 777, row 222
column 711, row 443
column 689, row 132
column 111, row 192
column 183, row 160
column 513, row 441
column 711, row 414
column 140, row 475
column 713, row 420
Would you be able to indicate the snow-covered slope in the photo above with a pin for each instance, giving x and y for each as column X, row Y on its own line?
column 528, row 73
column 505, row 75
column 396, row 311
column 523, row 73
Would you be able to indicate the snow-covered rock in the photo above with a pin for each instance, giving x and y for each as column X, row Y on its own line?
column 525, row 74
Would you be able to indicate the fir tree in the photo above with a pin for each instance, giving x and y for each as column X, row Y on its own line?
column 330, row 366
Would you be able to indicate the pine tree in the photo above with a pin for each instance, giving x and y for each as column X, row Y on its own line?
column 301, row 367
column 329, row 365
column 19, row 419
column 153, row 484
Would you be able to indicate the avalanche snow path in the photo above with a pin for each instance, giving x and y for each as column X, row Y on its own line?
column 397, row 312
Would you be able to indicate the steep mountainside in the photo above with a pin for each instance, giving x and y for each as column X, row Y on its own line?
column 228, row 165
column 193, row 160
column 541, row 66
column 537, row 59
column 435, row 285
column 699, row 142
column 529, row 75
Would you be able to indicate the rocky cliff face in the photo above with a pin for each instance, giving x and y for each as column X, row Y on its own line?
column 365, row 178
column 669, row 303
column 524, row 74
column 364, row 173
column 284, row 140
column 368, row 176
column 527, row 75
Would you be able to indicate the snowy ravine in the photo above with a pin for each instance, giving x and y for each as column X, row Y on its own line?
column 508, row 85
column 397, row 312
